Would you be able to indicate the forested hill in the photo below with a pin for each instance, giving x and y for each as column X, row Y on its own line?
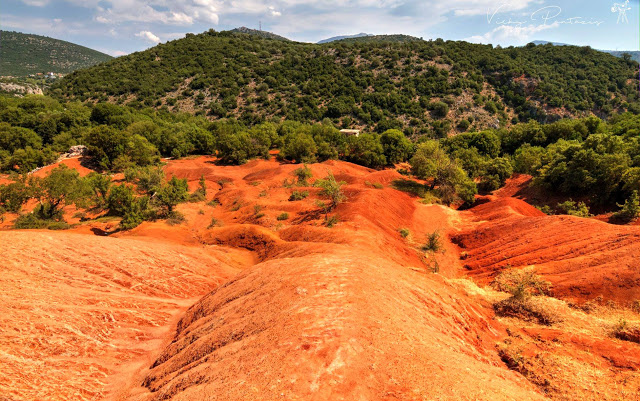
column 22, row 54
column 431, row 87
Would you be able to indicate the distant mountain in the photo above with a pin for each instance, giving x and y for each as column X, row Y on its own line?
column 22, row 54
column 262, row 34
column 333, row 39
column 382, row 38
column 635, row 55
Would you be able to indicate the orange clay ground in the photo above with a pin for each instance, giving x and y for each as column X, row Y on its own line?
column 255, row 308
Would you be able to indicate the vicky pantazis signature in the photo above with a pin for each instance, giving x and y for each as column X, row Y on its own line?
column 548, row 15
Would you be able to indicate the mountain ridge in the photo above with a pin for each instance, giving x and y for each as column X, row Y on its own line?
column 342, row 37
column 22, row 54
column 635, row 54
column 431, row 87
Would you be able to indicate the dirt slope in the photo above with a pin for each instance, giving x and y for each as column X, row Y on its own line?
column 582, row 258
column 236, row 304
column 81, row 312
column 341, row 313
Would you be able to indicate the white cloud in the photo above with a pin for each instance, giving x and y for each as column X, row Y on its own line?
column 36, row 3
column 148, row 36
column 274, row 12
column 512, row 35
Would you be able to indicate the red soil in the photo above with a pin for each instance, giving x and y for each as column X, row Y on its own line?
column 343, row 313
column 582, row 258
column 73, row 163
column 81, row 312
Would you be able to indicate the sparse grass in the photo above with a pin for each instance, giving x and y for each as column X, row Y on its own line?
column 404, row 232
column 434, row 243
column 262, row 194
column 175, row 218
column 376, row 185
column 429, row 198
column 626, row 332
column 197, row 196
column 214, row 203
column 255, row 183
column 200, row 212
column 283, row 216
column 331, row 221
column 257, row 211
column 298, row 195
column 410, row 186
column 287, row 183
column 303, row 174
column 523, row 285
column 237, row 205
column 215, row 223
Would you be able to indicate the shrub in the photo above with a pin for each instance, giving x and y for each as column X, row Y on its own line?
column 630, row 210
column 332, row 189
column 523, row 284
column 283, row 216
column 13, row 195
column 30, row 221
column 331, row 221
column 298, row 195
column 303, row 174
column 175, row 218
column 574, row 209
column 122, row 202
column 434, row 243
column 404, row 232
column 440, row 109
column 172, row 193
column 215, row 223
column 626, row 332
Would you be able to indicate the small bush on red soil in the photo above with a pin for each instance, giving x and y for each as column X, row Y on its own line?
column 523, row 285
column 626, row 332
column 434, row 243
column 298, row 195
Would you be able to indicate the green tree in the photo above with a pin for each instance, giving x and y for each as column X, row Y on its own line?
column 172, row 193
column 366, row 150
column 631, row 208
column 397, row 148
column 58, row 189
column 299, row 146
column 14, row 195
column 97, row 187
column 332, row 189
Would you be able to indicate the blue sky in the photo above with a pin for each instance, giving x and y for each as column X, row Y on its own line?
column 122, row 26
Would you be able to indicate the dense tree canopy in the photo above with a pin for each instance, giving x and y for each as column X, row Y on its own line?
column 420, row 87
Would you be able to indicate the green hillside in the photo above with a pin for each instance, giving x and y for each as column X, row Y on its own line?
column 23, row 54
column 262, row 34
column 423, row 87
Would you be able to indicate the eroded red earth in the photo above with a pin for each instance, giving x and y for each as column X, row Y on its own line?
column 253, row 307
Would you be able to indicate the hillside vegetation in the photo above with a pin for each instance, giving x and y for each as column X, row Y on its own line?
column 23, row 54
column 421, row 87
column 594, row 161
